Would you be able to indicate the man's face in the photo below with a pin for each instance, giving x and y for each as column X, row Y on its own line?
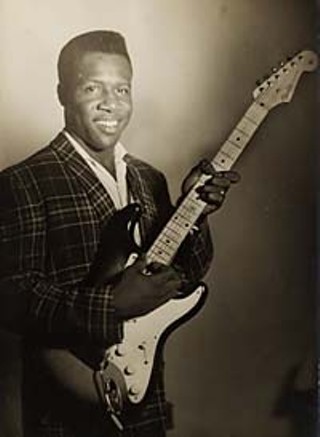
column 98, row 102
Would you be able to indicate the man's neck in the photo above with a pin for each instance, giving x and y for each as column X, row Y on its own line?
column 104, row 157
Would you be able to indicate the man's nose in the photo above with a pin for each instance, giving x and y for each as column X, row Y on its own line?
column 108, row 101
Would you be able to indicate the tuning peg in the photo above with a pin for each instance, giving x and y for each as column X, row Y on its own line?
column 258, row 82
column 274, row 70
column 289, row 58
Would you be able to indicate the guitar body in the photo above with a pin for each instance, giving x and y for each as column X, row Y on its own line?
column 127, row 366
column 116, row 245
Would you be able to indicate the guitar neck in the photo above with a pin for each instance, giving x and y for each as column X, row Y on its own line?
column 176, row 230
column 239, row 137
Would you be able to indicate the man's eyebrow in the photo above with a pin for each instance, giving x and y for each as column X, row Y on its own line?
column 101, row 81
column 85, row 80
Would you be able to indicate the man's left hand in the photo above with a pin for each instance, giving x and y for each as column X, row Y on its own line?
column 214, row 190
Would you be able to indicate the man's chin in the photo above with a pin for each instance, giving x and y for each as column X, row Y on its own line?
column 96, row 141
column 102, row 146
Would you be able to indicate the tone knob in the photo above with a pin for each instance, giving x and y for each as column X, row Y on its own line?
column 134, row 390
column 129, row 370
column 120, row 350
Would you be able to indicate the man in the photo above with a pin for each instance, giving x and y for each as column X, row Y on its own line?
column 54, row 206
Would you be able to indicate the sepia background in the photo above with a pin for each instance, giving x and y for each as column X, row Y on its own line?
column 242, row 367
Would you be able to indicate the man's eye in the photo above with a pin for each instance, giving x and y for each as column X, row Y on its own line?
column 123, row 91
column 91, row 89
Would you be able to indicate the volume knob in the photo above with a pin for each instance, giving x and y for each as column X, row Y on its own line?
column 129, row 370
column 134, row 390
column 120, row 350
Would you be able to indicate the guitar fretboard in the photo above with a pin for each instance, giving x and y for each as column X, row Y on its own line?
column 182, row 221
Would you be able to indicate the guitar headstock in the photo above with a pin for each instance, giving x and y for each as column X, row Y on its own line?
column 280, row 86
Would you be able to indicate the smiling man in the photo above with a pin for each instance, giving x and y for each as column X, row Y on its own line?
column 96, row 94
column 54, row 207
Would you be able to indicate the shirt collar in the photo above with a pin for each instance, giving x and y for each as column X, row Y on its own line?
column 119, row 150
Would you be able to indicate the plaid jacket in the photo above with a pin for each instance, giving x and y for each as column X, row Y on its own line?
column 53, row 209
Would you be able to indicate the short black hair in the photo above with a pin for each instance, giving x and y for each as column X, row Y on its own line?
column 106, row 41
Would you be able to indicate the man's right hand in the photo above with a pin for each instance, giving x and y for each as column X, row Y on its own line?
column 138, row 293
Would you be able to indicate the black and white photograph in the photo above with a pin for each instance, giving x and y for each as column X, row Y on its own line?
column 158, row 209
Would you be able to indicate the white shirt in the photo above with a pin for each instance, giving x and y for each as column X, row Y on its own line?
column 116, row 187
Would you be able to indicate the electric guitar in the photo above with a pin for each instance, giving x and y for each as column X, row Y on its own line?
column 126, row 368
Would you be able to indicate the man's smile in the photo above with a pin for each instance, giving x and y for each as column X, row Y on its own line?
column 108, row 126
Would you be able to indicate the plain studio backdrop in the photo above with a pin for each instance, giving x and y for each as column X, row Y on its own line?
column 195, row 67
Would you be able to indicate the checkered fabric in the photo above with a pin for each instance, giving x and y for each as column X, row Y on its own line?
column 52, row 210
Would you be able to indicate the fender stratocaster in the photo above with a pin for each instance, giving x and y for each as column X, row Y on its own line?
column 126, row 368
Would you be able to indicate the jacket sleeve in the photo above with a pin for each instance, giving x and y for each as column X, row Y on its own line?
column 29, row 302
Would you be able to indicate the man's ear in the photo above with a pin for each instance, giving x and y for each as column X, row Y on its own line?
column 62, row 95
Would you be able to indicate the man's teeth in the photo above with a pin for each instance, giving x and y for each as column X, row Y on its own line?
column 108, row 123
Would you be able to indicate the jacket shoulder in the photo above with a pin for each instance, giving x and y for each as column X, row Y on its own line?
column 31, row 171
column 145, row 168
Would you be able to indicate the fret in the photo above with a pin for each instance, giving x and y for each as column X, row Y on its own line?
column 248, row 127
column 239, row 138
column 221, row 163
column 184, row 215
column 178, row 232
column 176, row 228
column 154, row 256
column 159, row 256
column 226, row 154
column 251, row 120
column 195, row 202
column 169, row 230
column 188, row 213
column 192, row 203
column 163, row 248
column 239, row 131
column 230, row 151
column 234, row 143
column 163, row 245
column 257, row 112
column 180, row 221
column 169, row 236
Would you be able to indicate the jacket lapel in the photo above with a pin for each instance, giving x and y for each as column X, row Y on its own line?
column 138, row 178
column 85, row 177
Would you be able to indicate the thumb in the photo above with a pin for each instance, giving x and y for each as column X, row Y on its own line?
column 190, row 179
column 203, row 167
